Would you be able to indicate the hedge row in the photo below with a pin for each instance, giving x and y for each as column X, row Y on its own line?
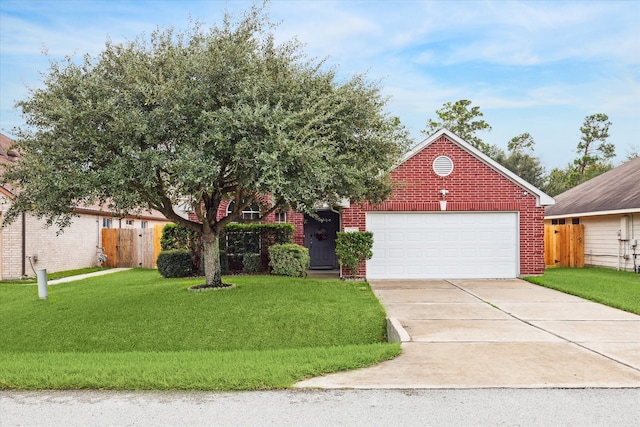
column 243, row 247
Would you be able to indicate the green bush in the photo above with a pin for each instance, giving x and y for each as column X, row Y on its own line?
column 353, row 249
column 289, row 260
column 176, row 236
column 236, row 240
column 251, row 263
column 175, row 263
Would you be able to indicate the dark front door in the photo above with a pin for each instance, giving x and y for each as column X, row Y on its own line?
column 320, row 238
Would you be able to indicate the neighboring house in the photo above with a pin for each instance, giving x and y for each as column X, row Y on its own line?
column 28, row 242
column 608, row 206
column 491, row 226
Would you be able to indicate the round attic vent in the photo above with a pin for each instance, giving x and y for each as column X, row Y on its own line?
column 443, row 165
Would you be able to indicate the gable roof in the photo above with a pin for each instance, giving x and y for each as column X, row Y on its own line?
column 615, row 191
column 542, row 199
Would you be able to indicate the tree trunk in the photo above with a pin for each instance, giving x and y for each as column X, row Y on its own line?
column 211, row 249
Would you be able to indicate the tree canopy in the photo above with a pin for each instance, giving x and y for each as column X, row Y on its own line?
column 521, row 160
column 203, row 116
column 594, row 156
column 462, row 120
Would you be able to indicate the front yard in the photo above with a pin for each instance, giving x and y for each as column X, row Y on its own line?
column 619, row 289
column 136, row 330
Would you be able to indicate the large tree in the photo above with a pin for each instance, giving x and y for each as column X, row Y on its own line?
column 207, row 116
column 464, row 121
column 521, row 159
column 594, row 152
column 594, row 156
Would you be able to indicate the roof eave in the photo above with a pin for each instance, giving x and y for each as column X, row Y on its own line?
column 596, row 213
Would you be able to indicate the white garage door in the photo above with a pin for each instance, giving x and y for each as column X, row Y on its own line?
column 443, row 245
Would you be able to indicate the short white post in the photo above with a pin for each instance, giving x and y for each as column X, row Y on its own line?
column 43, row 292
column 443, row 205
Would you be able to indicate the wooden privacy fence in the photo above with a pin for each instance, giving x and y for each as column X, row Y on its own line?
column 564, row 245
column 130, row 247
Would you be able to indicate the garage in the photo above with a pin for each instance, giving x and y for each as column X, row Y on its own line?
column 440, row 245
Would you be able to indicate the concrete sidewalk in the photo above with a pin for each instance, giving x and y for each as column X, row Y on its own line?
column 499, row 333
column 86, row 276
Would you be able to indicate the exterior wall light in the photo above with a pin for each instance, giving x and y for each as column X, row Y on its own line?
column 443, row 202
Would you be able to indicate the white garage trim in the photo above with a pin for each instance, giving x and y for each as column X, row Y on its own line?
column 443, row 245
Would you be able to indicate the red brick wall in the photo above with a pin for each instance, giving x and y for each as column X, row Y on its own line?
column 472, row 186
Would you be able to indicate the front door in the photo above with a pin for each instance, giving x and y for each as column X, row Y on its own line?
column 320, row 239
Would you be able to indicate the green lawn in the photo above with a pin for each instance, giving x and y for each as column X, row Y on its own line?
column 136, row 330
column 619, row 289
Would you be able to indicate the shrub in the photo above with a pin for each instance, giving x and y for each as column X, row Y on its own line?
column 289, row 260
column 175, row 263
column 175, row 236
column 353, row 249
column 251, row 263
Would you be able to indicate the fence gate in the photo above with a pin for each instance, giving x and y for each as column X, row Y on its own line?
column 129, row 247
column 564, row 245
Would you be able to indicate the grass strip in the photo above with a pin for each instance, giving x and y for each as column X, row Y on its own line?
column 186, row 370
column 618, row 289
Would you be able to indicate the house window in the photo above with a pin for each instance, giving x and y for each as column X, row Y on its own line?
column 560, row 221
column 144, row 224
column 250, row 212
column 106, row 222
column 575, row 220
column 281, row 217
column 129, row 223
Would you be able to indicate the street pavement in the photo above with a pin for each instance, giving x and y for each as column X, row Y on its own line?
column 370, row 408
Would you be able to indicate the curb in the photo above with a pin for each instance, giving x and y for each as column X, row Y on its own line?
column 395, row 331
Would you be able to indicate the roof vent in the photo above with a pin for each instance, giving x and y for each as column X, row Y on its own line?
column 443, row 165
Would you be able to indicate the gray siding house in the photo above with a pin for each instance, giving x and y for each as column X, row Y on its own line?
column 609, row 208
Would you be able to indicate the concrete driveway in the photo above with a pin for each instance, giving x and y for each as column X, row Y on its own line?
column 498, row 333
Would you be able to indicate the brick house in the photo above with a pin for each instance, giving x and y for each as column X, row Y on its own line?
column 28, row 241
column 455, row 213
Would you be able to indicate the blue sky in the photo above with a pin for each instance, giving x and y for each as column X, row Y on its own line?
column 532, row 66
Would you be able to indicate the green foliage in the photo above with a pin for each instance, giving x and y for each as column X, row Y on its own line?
column 237, row 240
column 251, row 238
column 520, row 159
column 251, row 263
column 175, row 263
column 289, row 260
column 203, row 116
column 594, row 156
column 464, row 122
column 557, row 181
column 594, row 152
column 353, row 249
column 132, row 330
column 176, row 236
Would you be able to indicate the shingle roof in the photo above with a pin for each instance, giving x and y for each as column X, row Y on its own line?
column 617, row 189
column 7, row 155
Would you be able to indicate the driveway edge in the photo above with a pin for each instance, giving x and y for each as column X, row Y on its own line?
column 395, row 331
